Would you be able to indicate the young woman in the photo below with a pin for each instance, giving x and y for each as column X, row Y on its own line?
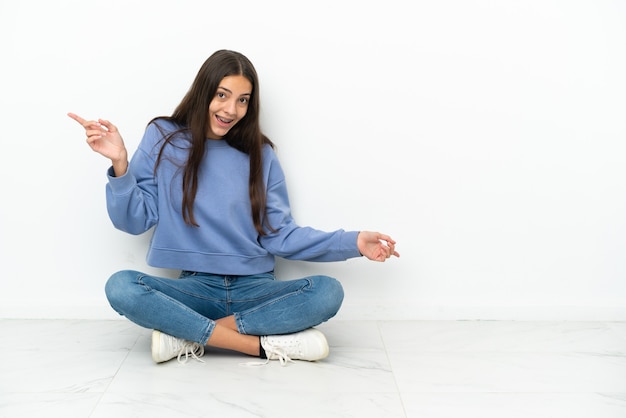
column 209, row 182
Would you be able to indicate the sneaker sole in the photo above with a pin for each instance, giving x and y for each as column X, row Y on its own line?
column 156, row 343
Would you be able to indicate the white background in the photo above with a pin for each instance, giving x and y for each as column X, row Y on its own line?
column 486, row 137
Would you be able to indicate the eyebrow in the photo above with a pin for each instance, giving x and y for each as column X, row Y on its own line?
column 224, row 88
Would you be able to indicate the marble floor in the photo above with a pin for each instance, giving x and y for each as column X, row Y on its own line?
column 386, row 369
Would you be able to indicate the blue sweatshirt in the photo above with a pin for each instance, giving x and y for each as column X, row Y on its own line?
column 226, row 241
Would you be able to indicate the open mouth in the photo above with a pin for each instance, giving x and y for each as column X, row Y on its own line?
column 223, row 121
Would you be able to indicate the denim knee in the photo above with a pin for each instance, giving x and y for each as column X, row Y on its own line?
column 329, row 295
column 117, row 288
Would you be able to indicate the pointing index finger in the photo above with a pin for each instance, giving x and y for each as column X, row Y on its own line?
column 77, row 118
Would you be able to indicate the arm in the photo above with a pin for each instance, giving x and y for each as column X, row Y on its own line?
column 294, row 242
column 131, row 192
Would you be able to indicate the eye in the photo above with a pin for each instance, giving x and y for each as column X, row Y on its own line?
column 244, row 100
column 220, row 94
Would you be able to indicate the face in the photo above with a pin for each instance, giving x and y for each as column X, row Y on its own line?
column 229, row 105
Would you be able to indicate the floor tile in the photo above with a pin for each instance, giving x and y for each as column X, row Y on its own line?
column 515, row 405
column 508, row 372
column 248, row 404
column 505, row 336
column 53, row 405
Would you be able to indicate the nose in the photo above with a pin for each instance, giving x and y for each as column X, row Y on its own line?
column 230, row 107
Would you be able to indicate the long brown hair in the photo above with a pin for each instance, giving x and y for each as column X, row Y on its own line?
column 246, row 135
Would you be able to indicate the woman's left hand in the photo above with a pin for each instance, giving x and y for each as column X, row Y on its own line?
column 376, row 246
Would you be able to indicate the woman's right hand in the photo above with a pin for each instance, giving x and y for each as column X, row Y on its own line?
column 104, row 138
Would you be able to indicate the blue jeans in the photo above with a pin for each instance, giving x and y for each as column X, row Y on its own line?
column 187, row 307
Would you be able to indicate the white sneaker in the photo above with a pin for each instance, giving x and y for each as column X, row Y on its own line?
column 165, row 347
column 310, row 345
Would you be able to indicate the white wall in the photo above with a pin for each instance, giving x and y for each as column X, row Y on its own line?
column 487, row 137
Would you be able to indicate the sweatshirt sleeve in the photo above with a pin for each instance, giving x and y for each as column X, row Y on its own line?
column 295, row 242
column 132, row 198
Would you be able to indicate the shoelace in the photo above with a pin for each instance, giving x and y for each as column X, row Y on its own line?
column 272, row 353
column 281, row 354
column 194, row 350
column 283, row 362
